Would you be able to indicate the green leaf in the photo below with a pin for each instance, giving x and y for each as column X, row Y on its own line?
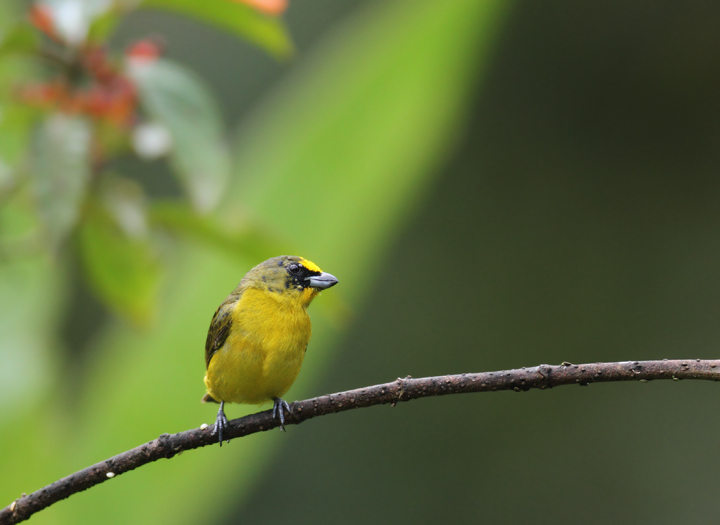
column 19, row 224
column 15, row 131
column 248, row 242
column 239, row 19
column 175, row 97
column 21, row 38
column 61, row 171
column 9, row 17
column 15, row 70
column 103, row 26
column 6, row 176
column 122, row 270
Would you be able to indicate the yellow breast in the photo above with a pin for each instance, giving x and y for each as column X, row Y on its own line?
column 263, row 352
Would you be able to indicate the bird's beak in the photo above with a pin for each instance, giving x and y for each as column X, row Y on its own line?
column 322, row 281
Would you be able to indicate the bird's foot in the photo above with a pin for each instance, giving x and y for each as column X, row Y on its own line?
column 221, row 423
column 279, row 406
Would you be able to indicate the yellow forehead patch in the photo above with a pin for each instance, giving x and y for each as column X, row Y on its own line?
column 310, row 265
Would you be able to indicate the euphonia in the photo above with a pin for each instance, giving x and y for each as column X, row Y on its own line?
column 258, row 336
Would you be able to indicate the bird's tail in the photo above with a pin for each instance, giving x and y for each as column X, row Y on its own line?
column 207, row 398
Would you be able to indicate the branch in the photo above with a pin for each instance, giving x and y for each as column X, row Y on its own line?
column 542, row 377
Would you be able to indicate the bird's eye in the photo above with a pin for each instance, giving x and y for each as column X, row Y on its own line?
column 294, row 268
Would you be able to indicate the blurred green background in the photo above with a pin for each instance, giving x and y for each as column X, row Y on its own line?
column 496, row 185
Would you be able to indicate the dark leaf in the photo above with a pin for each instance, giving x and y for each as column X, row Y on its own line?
column 123, row 271
column 61, row 170
column 175, row 97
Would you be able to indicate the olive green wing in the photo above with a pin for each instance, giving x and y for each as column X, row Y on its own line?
column 219, row 327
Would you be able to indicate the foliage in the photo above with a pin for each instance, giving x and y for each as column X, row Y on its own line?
column 362, row 125
column 79, row 106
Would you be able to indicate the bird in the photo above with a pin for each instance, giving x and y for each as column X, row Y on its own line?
column 259, row 335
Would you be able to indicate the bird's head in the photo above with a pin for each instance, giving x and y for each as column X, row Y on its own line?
column 290, row 276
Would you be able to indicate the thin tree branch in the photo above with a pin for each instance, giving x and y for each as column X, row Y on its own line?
column 542, row 377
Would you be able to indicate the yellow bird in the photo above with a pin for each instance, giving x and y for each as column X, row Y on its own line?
column 258, row 336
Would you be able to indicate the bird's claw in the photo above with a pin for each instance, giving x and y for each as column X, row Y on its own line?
column 279, row 406
column 221, row 423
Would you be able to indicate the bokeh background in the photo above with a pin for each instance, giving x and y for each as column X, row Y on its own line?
column 496, row 185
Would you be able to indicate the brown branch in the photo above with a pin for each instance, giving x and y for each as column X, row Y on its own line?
column 542, row 377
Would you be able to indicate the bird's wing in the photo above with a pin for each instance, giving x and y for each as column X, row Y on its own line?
column 219, row 328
